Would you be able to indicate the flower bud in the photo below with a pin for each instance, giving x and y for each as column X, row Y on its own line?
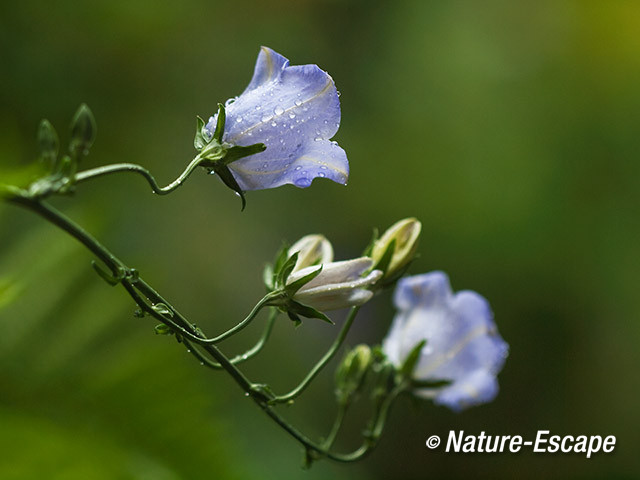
column 312, row 250
column 83, row 131
column 351, row 372
column 404, row 235
column 338, row 285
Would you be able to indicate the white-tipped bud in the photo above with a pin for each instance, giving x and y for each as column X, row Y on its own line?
column 312, row 250
column 338, row 285
column 405, row 234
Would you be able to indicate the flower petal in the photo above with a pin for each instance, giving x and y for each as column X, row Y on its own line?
column 334, row 272
column 299, row 166
column 268, row 68
column 476, row 388
column 431, row 289
column 302, row 103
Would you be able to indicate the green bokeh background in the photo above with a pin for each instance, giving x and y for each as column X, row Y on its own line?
column 510, row 129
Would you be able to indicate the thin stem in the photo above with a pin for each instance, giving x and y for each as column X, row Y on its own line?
column 265, row 301
column 323, row 361
column 177, row 321
column 241, row 358
column 337, row 423
column 134, row 168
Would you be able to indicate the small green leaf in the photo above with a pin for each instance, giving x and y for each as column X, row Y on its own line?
column 385, row 260
column 294, row 318
column 285, row 270
column 237, row 152
column 163, row 329
column 430, row 383
column 222, row 117
column 293, row 287
column 199, row 141
column 229, row 180
column 412, row 359
column 369, row 249
column 307, row 311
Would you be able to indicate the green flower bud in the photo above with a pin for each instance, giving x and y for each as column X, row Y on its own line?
column 351, row 372
column 48, row 143
column 312, row 250
column 83, row 131
column 396, row 248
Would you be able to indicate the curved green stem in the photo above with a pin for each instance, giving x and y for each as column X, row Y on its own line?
column 134, row 168
column 252, row 352
column 287, row 397
column 133, row 283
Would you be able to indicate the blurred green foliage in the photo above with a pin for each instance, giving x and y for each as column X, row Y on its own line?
column 510, row 129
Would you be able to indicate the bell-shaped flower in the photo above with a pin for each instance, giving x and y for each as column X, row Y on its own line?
column 338, row 285
column 462, row 343
column 312, row 250
column 294, row 111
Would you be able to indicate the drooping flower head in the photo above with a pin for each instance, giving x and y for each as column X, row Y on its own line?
column 462, row 342
column 294, row 111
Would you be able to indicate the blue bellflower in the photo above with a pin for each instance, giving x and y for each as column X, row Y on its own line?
column 294, row 111
column 462, row 343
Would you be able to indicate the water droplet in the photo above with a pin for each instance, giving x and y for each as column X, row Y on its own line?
column 298, row 102
column 265, row 118
column 188, row 351
column 258, row 107
column 202, row 364
column 265, row 165
column 298, row 168
column 278, row 110
column 324, row 167
column 274, row 124
column 317, row 139
column 292, row 116
column 246, row 394
column 291, row 127
column 238, row 120
column 326, row 121
column 230, row 101
column 321, row 174
column 302, row 182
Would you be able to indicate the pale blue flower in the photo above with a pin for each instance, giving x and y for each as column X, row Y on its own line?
column 294, row 111
column 462, row 342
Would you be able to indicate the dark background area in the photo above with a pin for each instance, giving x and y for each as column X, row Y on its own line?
column 510, row 129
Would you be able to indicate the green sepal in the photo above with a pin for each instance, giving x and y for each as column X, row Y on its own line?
column 267, row 277
column 83, row 132
column 367, row 251
column 385, row 260
column 48, row 144
column 199, row 141
column 270, row 272
column 294, row 318
column 162, row 329
column 430, row 383
column 237, row 152
column 227, row 177
column 307, row 311
column 222, row 117
column 410, row 362
column 285, row 270
column 293, row 287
